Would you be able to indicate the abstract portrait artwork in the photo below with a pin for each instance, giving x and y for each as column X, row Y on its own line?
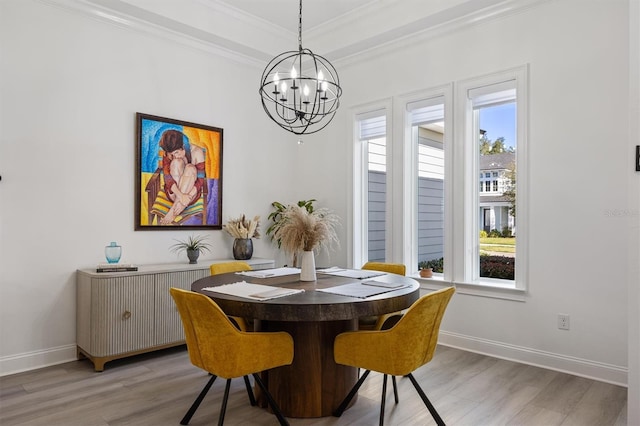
column 178, row 174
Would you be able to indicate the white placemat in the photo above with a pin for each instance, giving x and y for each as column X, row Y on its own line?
column 361, row 274
column 253, row 291
column 359, row 290
column 268, row 273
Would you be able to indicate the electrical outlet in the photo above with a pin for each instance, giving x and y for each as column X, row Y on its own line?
column 563, row 321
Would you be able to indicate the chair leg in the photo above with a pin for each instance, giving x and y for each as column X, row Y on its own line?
column 252, row 399
column 384, row 397
column 274, row 406
column 223, row 409
column 187, row 417
column 395, row 388
column 426, row 401
column 343, row 405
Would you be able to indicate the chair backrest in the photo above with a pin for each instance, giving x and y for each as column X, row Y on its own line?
column 420, row 326
column 212, row 340
column 392, row 268
column 226, row 267
column 200, row 316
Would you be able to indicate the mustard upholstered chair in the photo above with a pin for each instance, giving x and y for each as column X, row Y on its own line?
column 384, row 321
column 398, row 351
column 224, row 268
column 375, row 323
column 216, row 346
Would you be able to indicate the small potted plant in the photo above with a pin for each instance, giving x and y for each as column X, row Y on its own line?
column 426, row 269
column 243, row 230
column 426, row 272
column 193, row 246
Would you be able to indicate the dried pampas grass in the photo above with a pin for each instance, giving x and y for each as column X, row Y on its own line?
column 243, row 227
column 305, row 231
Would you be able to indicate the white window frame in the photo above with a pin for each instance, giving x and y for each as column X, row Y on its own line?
column 466, row 247
column 406, row 237
column 358, row 250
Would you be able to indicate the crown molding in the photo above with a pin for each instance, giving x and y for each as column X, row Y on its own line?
column 431, row 26
column 140, row 20
column 339, row 40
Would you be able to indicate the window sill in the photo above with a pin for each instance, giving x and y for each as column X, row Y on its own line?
column 490, row 288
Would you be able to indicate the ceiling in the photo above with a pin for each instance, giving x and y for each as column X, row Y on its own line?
column 284, row 13
column 256, row 30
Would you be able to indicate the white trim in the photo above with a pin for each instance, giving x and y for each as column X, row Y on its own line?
column 179, row 33
column 37, row 359
column 603, row 372
column 407, row 239
column 358, row 247
column 465, row 245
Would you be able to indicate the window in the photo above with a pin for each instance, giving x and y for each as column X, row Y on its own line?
column 371, row 145
column 493, row 145
column 440, row 185
column 426, row 118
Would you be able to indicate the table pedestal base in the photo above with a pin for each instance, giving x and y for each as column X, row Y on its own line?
column 313, row 385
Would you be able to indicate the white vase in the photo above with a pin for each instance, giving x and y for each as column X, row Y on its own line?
column 308, row 266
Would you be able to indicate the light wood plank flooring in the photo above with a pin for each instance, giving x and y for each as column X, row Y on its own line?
column 157, row 389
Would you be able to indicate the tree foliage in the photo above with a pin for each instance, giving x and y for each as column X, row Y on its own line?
column 488, row 147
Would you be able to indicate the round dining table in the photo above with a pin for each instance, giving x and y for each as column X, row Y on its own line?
column 313, row 385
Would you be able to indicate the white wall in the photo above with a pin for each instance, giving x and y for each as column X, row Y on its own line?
column 70, row 87
column 578, row 169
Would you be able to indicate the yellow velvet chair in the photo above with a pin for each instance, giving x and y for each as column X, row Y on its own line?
column 375, row 323
column 225, row 268
column 399, row 351
column 216, row 346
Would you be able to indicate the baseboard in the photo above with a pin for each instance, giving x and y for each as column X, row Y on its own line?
column 578, row 367
column 37, row 359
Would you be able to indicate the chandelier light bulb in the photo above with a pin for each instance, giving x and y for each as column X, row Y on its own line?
column 320, row 76
column 276, row 79
column 283, row 87
column 325, row 85
column 294, row 73
column 305, row 90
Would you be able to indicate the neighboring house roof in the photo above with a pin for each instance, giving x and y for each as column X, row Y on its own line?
column 500, row 161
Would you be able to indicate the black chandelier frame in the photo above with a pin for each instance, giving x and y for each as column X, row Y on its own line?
column 300, row 90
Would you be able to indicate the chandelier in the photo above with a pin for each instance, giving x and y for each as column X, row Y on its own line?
column 300, row 90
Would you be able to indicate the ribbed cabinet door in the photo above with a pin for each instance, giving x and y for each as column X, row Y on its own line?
column 168, row 324
column 122, row 314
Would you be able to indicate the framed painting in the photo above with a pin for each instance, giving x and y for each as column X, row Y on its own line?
column 178, row 174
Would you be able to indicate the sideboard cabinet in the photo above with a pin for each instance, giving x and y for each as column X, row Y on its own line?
column 120, row 314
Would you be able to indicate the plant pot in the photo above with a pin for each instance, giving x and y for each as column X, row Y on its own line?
column 242, row 248
column 193, row 255
column 308, row 266
column 426, row 272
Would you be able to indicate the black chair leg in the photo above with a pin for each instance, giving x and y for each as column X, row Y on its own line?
column 223, row 409
column 187, row 417
column 274, row 406
column 252, row 399
column 343, row 405
column 395, row 388
column 384, row 397
column 426, row 401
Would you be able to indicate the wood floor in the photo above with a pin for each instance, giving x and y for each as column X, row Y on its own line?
column 157, row 389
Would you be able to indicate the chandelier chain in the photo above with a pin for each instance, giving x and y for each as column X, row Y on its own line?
column 300, row 27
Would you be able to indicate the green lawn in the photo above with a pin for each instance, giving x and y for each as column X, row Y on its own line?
column 500, row 245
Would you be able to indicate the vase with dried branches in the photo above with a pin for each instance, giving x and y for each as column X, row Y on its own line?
column 243, row 230
column 306, row 232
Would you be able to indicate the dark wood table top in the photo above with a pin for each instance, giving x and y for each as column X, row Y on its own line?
column 310, row 305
